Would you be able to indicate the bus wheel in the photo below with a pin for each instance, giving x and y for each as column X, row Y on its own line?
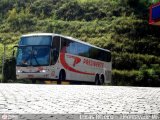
column 33, row 81
column 102, row 80
column 61, row 77
column 97, row 80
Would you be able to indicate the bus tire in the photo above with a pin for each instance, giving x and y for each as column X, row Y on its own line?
column 102, row 80
column 61, row 77
column 97, row 80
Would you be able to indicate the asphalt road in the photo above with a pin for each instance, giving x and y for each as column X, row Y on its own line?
column 78, row 99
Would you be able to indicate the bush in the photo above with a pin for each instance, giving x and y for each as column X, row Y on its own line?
column 124, row 77
column 128, row 61
column 146, row 76
column 149, row 76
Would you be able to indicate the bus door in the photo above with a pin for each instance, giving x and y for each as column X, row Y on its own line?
column 55, row 50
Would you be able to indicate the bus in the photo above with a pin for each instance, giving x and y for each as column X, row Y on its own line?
column 49, row 56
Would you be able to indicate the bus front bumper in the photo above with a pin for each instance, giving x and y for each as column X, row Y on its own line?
column 32, row 75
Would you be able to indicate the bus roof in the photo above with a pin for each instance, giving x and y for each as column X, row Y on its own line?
column 71, row 38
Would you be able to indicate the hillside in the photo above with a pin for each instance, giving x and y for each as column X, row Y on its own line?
column 118, row 25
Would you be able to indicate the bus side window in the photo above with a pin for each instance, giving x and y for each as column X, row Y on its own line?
column 106, row 56
column 64, row 45
column 55, row 49
column 109, row 57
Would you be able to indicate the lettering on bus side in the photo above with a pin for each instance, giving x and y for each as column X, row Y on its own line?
column 93, row 63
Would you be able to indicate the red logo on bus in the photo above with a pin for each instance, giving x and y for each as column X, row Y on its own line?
column 76, row 60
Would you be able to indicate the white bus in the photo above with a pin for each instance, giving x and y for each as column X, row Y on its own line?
column 48, row 56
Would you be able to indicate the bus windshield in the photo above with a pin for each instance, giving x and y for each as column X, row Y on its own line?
column 36, row 40
column 33, row 56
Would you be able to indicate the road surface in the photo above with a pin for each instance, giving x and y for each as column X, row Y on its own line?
column 77, row 99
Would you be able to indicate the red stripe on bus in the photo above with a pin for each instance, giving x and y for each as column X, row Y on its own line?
column 66, row 66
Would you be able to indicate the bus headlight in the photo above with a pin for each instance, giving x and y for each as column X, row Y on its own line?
column 19, row 71
column 43, row 71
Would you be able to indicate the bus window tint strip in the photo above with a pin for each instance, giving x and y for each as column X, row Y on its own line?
column 36, row 40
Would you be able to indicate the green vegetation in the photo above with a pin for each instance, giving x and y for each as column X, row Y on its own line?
column 118, row 25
